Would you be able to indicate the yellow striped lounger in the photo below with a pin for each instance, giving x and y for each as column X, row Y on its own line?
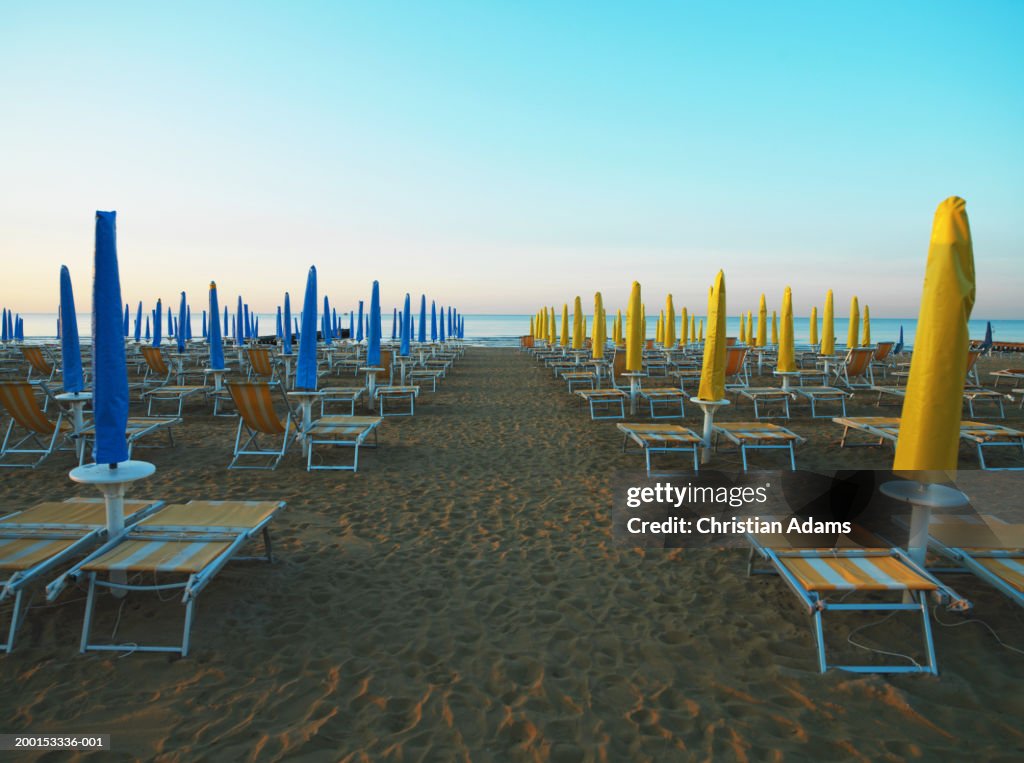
column 35, row 541
column 341, row 431
column 757, row 436
column 992, row 550
column 607, row 400
column 137, row 428
column 766, row 395
column 845, row 570
column 395, row 392
column 661, row 438
column 666, row 397
column 187, row 543
column 885, row 428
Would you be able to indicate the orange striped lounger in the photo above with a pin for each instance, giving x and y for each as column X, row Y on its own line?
column 611, row 401
column 340, row 431
column 846, row 570
column 992, row 550
column 186, row 544
column 35, row 541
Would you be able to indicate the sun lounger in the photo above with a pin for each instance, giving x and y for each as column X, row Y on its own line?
column 340, row 431
column 35, row 541
column 992, row 550
column 137, row 428
column 173, row 393
column 766, row 396
column 604, row 403
column 432, row 375
column 661, row 438
column 575, row 379
column 396, row 393
column 348, row 395
column 186, row 543
column 845, row 570
column 823, row 394
column 257, row 418
column 885, row 428
column 1013, row 374
column 972, row 395
column 983, row 436
column 755, row 436
column 670, row 397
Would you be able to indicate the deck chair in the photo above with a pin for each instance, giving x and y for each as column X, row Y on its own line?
column 260, row 364
column 158, row 373
column 880, row 358
column 188, row 543
column 257, row 418
column 756, row 436
column 855, row 370
column 35, row 541
column 604, row 403
column 21, row 404
column 341, row 431
column 736, row 367
column 37, row 362
column 618, row 369
column 848, row 569
column 970, row 369
column 992, row 550
column 172, row 393
column 136, row 429
column 661, row 438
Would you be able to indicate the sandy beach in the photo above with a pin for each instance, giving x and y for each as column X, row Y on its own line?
column 461, row 598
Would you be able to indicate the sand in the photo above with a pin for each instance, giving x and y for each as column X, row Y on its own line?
column 461, row 598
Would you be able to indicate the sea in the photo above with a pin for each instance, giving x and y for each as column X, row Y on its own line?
column 505, row 330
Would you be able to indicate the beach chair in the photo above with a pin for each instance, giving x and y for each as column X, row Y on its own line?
column 28, row 426
column 736, row 367
column 397, row 393
column 340, row 431
column 991, row 549
column 261, row 365
column 847, row 570
column 576, row 379
column 823, row 394
column 257, row 418
column 661, row 438
column 881, row 356
column 186, row 544
column 136, row 429
column 670, row 398
column 604, row 403
column 38, row 362
column 158, row 373
column 35, row 541
column 855, row 370
column 755, row 436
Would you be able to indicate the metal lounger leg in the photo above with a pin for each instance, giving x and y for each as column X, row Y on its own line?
column 90, row 602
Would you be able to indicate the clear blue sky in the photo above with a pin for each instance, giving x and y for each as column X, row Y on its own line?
column 504, row 155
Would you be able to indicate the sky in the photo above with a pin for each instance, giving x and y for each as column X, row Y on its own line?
column 501, row 156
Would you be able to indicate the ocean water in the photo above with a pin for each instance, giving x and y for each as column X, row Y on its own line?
column 504, row 330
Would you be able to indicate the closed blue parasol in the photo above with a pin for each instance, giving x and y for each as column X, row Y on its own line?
column 373, row 340
column 109, row 367
column 206, row 333
column 147, row 328
column 441, row 332
column 3, row 327
column 182, row 314
column 170, row 322
column 406, row 328
column 216, row 345
column 305, row 374
column 226, row 324
column 286, row 324
column 280, row 331
column 423, row 318
column 433, row 321
column 359, row 325
column 127, row 318
column 394, row 323
column 239, row 329
column 71, row 353
column 158, row 320
column 328, row 326
column 138, row 324
column 188, row 323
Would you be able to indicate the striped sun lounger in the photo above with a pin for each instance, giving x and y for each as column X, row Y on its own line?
column 395, row 392
column 137, row 428
column 992, row 550
column 661, row 438
column 757, row 436
column 830, row 579
column 341, row 431
column 671, row 398
column 823, row 394
column 766, row 395
column 35, row 541
column 885, row 428
column 604, row 403
column 186, row 545
column 972, row 395
column 173, row 393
